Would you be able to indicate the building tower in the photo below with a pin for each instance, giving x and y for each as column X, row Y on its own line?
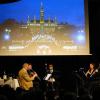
column 41, row 18
column 49, row 21
column 28, row 21
column 34, row 22
column 55, row 21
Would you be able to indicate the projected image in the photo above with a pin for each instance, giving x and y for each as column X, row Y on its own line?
column 46, row 27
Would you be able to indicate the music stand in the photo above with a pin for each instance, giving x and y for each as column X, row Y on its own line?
column 47, row 77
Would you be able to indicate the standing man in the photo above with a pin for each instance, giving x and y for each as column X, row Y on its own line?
column 25, row 81
column 51, row 90
column 50, row 71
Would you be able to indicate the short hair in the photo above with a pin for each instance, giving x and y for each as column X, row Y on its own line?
column 25, row 65
column 29, row 63
column 50, row 65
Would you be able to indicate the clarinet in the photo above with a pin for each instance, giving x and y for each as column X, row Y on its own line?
column 34, row 72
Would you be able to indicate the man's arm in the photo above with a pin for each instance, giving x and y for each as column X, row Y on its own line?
column 28, row 78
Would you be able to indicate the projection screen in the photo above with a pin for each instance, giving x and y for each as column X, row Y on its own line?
column 44, row 27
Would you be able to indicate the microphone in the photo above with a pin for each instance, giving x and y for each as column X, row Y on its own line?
column 46, row 66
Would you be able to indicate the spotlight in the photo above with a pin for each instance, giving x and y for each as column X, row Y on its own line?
column 6, row 36
column 81, row 37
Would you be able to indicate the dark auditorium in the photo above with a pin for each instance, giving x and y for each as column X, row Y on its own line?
column 49, row 50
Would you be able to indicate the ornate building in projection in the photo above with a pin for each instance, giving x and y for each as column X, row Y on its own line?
column 42, row 25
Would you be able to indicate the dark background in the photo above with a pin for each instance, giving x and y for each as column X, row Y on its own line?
column 94, row 28
column 63, row 65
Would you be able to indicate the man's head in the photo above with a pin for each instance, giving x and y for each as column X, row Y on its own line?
column 27, row 66
column 30, row 66
column 50, row 68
